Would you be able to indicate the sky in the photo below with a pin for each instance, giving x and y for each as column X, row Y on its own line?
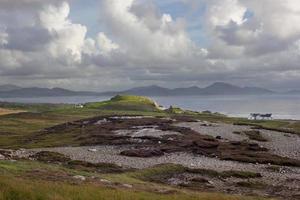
column 101, row 45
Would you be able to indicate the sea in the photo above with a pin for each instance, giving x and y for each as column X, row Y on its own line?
column 281, row 106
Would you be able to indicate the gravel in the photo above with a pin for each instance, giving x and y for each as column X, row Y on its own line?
column 110, row 154
column 145, row 131
column 220, row 129
column 283, row 144
column 280, row 143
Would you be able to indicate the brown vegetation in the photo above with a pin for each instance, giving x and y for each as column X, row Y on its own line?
column 97, row 131
column 255, row 135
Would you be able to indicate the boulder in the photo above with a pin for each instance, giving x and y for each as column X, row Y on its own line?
column 2, row 157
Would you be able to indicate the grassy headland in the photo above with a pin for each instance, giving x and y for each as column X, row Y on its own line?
column 33, row 180
column 16, row 127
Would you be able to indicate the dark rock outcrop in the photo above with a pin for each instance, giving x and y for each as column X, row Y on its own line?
column 144, row 153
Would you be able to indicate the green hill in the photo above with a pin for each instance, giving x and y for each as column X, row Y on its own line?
column 126, row 102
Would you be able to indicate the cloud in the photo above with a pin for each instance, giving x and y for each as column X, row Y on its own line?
column 105, row 45
column 221, row 13
column 67, row 38
column 146, row 35
column 3, row 38
column 146, row 42
column 272, row 26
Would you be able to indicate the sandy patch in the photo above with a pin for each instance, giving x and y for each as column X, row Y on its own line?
column 4, row 111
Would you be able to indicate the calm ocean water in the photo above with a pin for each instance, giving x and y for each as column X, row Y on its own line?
column 282, row 106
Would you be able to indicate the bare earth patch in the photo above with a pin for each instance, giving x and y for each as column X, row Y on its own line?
column 4, row 111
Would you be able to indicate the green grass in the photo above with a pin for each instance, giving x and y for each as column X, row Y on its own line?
column 255, row 135
column 126, row 102
column 295, row 125
column 18, row 181
column 158, row 173
column 20, row 189
column 276, row 125
column 284, row 126
column 15, row 129
column 225, row 174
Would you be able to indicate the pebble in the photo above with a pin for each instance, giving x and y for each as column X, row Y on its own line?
column 93, row 150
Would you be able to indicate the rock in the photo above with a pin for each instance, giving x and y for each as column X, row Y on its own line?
column 2, row 157
column 6, row 153
column 127, row 185
column 165, row 191
column 105, row 181
column 199, row 180
column 296, row 196
column 50, row 157
column 219, row 137
column 143, row 153
column 211, row 182
column 235, row 143
column 93, row 150
column 206, row 144
column 79, row 177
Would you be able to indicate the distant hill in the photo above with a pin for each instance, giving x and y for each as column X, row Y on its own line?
column 43, row 92
column 8, row 87
column 218, row 88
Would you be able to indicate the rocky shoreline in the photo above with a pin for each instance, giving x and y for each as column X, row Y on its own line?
column 148, row 142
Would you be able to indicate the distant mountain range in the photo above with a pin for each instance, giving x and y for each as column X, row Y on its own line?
column 8, row 87
column 218, row 88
